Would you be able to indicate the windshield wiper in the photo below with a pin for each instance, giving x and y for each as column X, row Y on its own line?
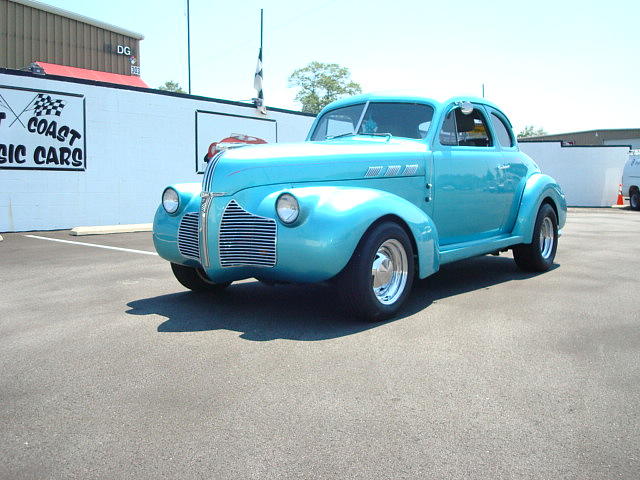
column 331, row 137
column 373, row 134
column 377, row 134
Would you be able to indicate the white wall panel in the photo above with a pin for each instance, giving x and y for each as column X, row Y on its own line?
column 589, row 176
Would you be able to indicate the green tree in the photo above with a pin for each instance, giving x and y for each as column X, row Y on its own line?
column 321, row 84
column 531, row 131
column 171, row 86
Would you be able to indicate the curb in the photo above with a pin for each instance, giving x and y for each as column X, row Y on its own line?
column 106, row 229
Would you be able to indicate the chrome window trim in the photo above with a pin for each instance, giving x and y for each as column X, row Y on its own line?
column 364, row 110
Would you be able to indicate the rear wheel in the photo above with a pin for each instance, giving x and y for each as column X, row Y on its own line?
column 538, row 255
column 195, row 279
column 634, row 199
column 378, row 278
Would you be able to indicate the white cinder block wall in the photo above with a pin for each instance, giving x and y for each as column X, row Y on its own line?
column 137, row 142
column 589, row 176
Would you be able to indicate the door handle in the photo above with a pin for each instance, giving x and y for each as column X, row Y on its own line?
column 504, row 166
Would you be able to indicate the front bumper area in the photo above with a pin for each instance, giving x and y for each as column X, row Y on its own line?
column 237, row 237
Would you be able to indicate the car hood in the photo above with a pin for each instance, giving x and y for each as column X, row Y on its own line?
column 323, row 161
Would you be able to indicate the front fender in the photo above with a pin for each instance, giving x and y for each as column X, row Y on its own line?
column 165, row 225
column 538, row 188
column 334, row 219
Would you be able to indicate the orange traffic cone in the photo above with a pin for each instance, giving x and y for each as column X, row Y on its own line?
column 620, row 199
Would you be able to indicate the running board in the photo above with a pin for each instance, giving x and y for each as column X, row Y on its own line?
column 460, row 251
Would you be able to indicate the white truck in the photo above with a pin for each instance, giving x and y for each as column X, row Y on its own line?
column 631, row 180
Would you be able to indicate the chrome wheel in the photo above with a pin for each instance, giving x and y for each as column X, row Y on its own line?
column 389, row 271
column 547, row 237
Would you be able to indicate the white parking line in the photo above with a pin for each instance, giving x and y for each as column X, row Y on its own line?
column 92, row 245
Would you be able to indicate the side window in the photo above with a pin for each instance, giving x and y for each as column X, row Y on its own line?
column 472, row 129
column 465, row 130
column 502, row 131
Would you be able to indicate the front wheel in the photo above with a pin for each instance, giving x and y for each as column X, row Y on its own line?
column 378, row 278
column 538, row 255
column 195, row 279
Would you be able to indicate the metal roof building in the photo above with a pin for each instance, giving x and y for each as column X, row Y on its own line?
column 618, row 136
column 41, row 37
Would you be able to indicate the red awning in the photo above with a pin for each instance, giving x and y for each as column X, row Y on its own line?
column 64, row 71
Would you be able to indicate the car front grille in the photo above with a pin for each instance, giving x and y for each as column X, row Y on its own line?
column 246, row 239
column 188, row 236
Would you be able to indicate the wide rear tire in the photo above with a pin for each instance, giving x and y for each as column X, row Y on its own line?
column 195, row 279
column 378, row 278
column 538, row 255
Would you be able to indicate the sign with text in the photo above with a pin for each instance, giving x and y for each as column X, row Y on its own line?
column 41, row 130
column 216, row 132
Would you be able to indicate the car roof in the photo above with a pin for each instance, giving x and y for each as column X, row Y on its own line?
column 404, row 96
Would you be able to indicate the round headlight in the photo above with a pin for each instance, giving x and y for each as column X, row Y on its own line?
column 287, row 208
column 170, row 200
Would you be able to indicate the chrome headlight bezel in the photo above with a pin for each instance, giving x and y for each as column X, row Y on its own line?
column 287, row 208
column 169, row 203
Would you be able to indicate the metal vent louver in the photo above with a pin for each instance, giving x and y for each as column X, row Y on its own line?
column 188, row 236
column 246, row 239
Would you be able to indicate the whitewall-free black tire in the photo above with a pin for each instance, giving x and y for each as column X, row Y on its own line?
column 378, row 278
column 538, row 255
column 195, row 279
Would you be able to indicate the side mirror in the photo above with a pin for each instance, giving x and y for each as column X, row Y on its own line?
column 466, row 108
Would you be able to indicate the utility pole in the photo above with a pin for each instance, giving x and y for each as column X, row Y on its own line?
column 483, row 90
column 188, row 48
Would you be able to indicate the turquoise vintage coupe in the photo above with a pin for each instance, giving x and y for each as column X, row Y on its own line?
column 386, row 188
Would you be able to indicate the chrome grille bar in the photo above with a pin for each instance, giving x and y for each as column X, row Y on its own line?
column 246, row 239
column 188, row 244
column 208, row 173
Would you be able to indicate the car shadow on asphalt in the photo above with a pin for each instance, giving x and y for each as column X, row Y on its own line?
column 309, row 312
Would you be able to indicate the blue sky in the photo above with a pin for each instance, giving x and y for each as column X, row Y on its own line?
column 562, row 65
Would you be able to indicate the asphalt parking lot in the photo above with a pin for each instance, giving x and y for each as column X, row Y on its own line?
column 110, row 369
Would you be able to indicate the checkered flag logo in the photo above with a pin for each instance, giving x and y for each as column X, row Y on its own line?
column 45, row 105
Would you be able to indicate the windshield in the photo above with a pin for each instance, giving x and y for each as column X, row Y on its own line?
column 409, row 120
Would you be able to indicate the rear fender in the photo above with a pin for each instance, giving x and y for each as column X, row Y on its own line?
column 538, row 189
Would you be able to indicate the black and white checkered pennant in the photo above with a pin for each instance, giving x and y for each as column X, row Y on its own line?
column 45, row 105
column 257, row 79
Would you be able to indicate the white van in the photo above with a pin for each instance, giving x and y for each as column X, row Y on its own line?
column 631, row 180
